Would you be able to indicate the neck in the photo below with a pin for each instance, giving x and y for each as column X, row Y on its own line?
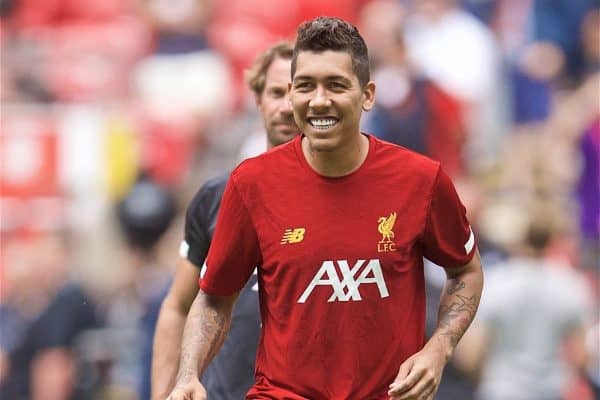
column 339, row 162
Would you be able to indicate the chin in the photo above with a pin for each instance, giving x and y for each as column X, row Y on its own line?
column 281, row 137
column 325, row 144
column 284, row 138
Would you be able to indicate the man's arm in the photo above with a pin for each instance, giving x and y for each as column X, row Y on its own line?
column 420, row 375
column 169, row 328
column 205, row 331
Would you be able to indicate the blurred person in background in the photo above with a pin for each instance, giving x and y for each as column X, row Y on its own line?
column 458, row 52
column 411, row 110
column 144, row 214
column 117, row 354
column 540, row 42
column 171, row 80
column 588, row 186
column 528, row 341
column 179, row 107
column 43, row 312
column 231, row 373
column 561, row 24
column 179, row 26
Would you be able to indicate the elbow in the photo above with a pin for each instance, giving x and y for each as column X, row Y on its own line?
column 220, row 305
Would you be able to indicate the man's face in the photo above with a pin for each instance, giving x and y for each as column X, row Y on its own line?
column 327, row 98
column 274, row 104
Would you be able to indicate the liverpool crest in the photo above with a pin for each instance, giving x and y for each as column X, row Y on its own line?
column 386, row 229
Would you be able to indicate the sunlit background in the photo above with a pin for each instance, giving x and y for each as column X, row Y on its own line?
column 100, row 97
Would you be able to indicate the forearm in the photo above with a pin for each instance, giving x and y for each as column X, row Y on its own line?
column 166, row 349
column 458, row 305
column 205, row 330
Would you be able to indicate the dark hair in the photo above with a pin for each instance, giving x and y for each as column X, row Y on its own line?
column 256, row 75
column 328, row 33
column 539, row 234
column 145, row 213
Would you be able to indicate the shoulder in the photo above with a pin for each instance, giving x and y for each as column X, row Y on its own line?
column 254, row 168
column 209, row 193
column 572, row 285
column 215, row 184
column 397, row 153
column 400, row 158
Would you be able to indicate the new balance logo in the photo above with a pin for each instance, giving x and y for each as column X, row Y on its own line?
column 346, row 288
column 293, row 235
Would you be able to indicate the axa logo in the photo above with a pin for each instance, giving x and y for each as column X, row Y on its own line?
column 295, row 235
column 345, row 287
column 385, row 227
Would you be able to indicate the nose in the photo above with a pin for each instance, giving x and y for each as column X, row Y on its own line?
column 320, row 99
column 285, row 107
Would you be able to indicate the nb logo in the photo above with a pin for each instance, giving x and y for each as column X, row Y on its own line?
column 293, row 235
column 346, row 288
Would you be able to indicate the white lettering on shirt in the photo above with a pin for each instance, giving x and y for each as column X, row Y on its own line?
column 347, row 288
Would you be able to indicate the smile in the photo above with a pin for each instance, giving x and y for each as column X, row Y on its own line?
column 322, row 123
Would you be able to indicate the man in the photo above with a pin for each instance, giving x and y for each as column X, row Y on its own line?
column 231, row 374
column 411, row 110
column 537, row 357
column 337, row 222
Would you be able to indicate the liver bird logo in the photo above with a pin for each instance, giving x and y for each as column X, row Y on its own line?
column 385, row 227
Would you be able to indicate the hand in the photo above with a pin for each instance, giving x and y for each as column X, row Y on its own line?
column 188, row 390
column 419, row 376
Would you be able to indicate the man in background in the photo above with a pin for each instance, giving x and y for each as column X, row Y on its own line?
column 528, row 341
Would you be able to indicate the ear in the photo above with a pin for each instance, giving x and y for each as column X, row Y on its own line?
column 368, row 96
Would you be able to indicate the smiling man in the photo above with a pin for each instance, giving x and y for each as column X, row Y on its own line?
column 339, row 245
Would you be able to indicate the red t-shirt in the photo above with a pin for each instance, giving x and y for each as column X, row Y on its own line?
column 340, row 271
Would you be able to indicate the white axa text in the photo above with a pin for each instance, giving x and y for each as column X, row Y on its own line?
column 346, row 289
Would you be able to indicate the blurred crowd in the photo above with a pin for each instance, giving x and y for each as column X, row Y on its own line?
column 114, row 112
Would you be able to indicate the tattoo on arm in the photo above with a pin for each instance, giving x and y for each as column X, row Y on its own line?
column 453, row 289
column 456, row 312
column 214, row 332
column 202, row 340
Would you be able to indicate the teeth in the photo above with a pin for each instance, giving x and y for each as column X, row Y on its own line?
column 323, row 123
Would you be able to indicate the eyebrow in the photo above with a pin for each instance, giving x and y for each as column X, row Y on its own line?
column 302, row 78
column 276, row 89
column 327, row 78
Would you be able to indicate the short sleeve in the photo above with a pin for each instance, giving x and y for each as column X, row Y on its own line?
column 200, row 219
column 196, row 239
column 235, row 251
column 447, row 240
